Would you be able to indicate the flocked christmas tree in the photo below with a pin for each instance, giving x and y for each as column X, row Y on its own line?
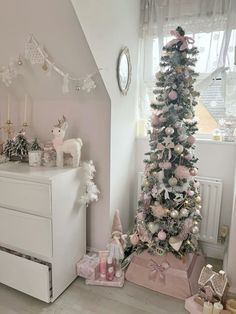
column 168, row 213
column 20, row 147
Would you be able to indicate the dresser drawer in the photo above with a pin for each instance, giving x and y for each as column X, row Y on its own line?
column 25, row 196
column 25, row 275
column 26, row 232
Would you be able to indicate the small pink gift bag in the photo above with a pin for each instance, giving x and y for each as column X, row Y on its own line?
column 88, row 267
column 166, row 274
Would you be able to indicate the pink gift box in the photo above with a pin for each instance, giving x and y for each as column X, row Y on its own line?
column 166, row 274
column 88, row 267
column 193, row 307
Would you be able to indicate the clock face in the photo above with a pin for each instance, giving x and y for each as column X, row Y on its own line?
column 124, row 71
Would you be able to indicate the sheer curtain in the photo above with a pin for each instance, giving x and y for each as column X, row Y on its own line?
column 210, row 23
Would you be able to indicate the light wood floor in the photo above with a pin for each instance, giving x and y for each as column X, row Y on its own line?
column 82, row 299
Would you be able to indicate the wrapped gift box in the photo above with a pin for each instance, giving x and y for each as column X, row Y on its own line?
column 193, row 307
column 88, row 267
column 116, row 282
column 167, row 274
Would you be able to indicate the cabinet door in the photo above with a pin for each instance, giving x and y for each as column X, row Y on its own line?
column 25, row 275
column 27, row 232
column 30, row 197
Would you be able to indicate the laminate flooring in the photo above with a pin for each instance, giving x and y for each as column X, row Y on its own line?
column 83, row 299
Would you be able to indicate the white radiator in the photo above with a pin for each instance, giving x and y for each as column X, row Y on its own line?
column 211, row 193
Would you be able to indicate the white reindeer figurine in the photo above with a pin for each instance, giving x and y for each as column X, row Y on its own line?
column 71, row 146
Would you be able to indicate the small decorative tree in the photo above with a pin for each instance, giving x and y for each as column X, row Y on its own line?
column 20, row 147
column 35, row 145
column 8, row 148
column 168, row 213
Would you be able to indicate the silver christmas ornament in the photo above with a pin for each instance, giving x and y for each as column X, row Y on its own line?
column 153, row 227
column 195, row 229
column 184, row 212
column 172, row 181
column 169, row 131
column 188, row 115
column 199, row 206
column 174, row 213
column 178, row 149
column 193, row 171
column 197, row 212
column 177, row 124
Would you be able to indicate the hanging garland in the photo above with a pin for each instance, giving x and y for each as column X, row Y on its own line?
column 36, row 55
column 90, row 189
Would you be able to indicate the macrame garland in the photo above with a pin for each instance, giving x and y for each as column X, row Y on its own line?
column 90, row 189
column 37, row 55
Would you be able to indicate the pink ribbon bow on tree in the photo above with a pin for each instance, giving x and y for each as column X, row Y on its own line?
column 185, row 40
column 156, row 268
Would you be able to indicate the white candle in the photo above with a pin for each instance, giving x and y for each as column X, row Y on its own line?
column 207, row 308
column 217, row 308
column 25, row 114
column 8, row 107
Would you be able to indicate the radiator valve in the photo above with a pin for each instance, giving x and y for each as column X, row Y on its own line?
column 223, row 233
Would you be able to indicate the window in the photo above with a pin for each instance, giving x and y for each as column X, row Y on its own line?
column 212, row 106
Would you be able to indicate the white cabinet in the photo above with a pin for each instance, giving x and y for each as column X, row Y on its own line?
column 42, row 228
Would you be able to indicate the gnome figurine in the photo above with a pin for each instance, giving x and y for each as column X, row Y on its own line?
column 118, row 239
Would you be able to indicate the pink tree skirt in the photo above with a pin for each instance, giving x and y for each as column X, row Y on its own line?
column 167, row 274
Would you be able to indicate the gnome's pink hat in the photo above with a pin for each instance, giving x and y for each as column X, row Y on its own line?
column 116, row 225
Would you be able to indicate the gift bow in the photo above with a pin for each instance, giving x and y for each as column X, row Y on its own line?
column 156, row 268
column 185, row 40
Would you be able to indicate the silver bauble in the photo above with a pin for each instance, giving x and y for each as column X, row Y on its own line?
column 188, row 115
column 169, row 131
column 199, row 206
column 184, row 212
column 193, row 171
column 174, row 213
column 197, row 212
column 195, row 229
column 153, row 227
column 172, row 181
column 178, row 149
column 195, row 222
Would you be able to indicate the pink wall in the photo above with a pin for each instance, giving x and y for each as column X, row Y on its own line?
column 55, row 25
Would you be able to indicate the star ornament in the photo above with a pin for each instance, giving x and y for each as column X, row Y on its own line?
column 168, row 142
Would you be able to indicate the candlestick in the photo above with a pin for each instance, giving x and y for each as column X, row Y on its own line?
column 217, row 308
column 25, row 115
column 8, row 107
column 207, row 308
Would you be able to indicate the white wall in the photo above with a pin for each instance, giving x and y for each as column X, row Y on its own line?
column 55, row 25
column 110, row 25
column 216, row 160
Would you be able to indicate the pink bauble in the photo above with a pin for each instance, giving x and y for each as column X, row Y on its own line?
column 158, row 210
column 182, row 172
column 165, row 165
column 191, row 139
column 154, row 120
column 161, row 235
column 196, row 184
column 134, row 238
column 190, row 193
column 173, row 95
column 189, row 156
column 182, row 137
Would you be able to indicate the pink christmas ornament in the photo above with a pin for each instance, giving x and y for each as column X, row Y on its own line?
column 161, row 235
column 190, row 193
column 173, row 95
column 196, row 184
column 191, row 139
column 158, row 210
column 154, row 120
column 134, row 238
column 182, row 172
column 189, row 156
column 165, row 165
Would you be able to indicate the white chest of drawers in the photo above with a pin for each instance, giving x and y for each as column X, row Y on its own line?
column 42, row 228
